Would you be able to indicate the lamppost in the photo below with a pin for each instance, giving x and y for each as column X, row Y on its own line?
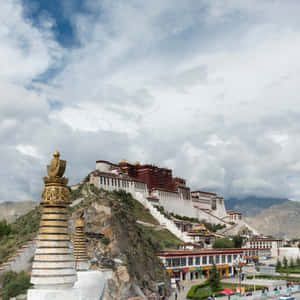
column 238, row 265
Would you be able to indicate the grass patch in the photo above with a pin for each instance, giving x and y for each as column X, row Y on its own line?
column 276, row 277
column 203, row 291
column 295, row 270
column 142, row 213
column 164, row 238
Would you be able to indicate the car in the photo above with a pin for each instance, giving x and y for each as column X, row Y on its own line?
column 287, row 297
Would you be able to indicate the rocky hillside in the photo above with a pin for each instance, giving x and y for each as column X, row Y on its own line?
column 282, row 220
column 251, row 206
column 12, row 210
column 118, row 240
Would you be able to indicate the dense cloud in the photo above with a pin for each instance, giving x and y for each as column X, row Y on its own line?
column 207, row 88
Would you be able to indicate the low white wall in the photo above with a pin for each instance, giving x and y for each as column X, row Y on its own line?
column 22, row 260
column 289, row 253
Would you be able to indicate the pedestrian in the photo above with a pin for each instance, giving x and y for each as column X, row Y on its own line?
column 183, row 287
column 175, row 296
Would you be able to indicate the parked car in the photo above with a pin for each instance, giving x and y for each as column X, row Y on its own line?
column 287, row 297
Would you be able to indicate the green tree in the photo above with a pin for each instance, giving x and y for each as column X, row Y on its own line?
column 285, row 262
column 5, row 229
column 214, row 278
column 292, row 264
column 278, row 265
column 298, row 261
column 15, row 284
column 223, row 243
column 237, row 241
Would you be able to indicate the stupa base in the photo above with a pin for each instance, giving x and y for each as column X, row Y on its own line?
column 70, row 294
column 82, row 265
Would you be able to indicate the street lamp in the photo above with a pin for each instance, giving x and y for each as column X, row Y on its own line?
column 238, row 265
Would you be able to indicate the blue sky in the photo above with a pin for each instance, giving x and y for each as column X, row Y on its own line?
column 65, row 32
column 208, row 88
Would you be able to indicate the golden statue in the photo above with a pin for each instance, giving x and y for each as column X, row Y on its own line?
column 56, row 191
column 57, row 167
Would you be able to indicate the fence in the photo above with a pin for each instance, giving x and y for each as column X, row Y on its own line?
column 271, row 294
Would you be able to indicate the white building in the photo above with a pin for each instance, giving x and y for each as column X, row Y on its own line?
column 174, row 196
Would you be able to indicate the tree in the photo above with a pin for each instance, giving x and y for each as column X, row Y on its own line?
column 292, row 263
column 285, row 262
column 214, row 278
column 298, row 261
column 278, row 265
column 223, row 243
column 238, row 241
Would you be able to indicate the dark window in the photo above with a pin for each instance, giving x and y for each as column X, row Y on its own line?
column 223, row 259
column 183, row 261
column 217, row 259
column 229, row 258
column 175, row 262
column 169, row 262
column 191, row 261
column 204, row 260
column 198, row 260
column 211, row 260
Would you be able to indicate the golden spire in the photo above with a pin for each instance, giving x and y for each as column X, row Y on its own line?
column 53, row 266
column 80, row 245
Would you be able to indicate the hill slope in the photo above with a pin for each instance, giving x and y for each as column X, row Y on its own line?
column 252, row 205
column 282, row 220
column 12, row 210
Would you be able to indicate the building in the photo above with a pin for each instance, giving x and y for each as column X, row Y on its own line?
column 266, row 243
column 234, row 216
column 160, row 188
column 197, row 263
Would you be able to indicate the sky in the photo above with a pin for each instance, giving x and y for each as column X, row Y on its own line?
column 208, row 88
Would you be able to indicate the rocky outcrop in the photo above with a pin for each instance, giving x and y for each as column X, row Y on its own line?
column 116, row 242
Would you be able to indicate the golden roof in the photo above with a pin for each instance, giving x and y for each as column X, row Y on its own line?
column 123, row 161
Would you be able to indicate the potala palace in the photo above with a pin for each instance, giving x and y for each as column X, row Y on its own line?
column 156, row 187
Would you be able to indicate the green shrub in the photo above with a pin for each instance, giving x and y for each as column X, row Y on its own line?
column 105, row 240
column 223, row 243
column 14, row 284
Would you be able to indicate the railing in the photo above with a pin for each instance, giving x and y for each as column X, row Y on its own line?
column 271, row 294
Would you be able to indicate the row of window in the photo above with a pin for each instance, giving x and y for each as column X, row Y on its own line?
column 114, row 182
column 200, row 260
column 117, row 182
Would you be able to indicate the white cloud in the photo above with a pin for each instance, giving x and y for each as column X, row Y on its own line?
column 208, row 88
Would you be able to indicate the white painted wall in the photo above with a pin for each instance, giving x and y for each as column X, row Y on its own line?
column 289, row 253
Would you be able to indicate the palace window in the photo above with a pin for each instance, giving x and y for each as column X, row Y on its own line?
column 229, row 258
column 217, row 259
column 197, row 260
column 204, row 260
column 211, row 260
column 223, row 259
column 191, row 261
column 100, row 179
column 183, row 261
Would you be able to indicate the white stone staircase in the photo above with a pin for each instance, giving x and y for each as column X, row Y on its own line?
column 169, row 224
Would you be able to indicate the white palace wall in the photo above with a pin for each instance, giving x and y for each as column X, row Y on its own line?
column 171, row 201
